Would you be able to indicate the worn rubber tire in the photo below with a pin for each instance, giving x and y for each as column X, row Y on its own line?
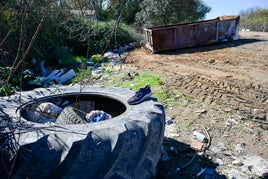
column 70, row 115
column 126, row 146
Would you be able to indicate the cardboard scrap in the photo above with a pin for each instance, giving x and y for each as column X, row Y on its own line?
column 196, row 145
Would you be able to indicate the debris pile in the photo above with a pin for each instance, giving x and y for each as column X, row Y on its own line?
column 37, row 75
column 66, row 113
column 33, row 78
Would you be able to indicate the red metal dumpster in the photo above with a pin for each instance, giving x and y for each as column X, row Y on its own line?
column 221, row 29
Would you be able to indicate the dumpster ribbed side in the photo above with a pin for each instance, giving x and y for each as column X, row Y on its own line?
column 221, row 29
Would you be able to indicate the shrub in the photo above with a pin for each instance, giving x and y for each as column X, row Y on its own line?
column 6, row 90
column 96, row 58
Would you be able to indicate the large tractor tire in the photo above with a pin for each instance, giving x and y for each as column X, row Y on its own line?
column 126, row 146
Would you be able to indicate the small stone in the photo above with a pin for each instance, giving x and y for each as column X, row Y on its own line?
column 248, row 130
column 227, row 109
column 259, row 114
column 211, row 61
column 228, row 124
column 201, row 111
column 232, row 121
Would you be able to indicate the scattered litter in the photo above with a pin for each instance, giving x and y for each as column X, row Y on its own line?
column 141, row 95
column 239, row 148
column 237, row 163
column 259, row 114
column 220, row 147
column 196, row 145
column 115, row 62
column 44, row 113
column 199, row 136
column 97, row 72
column 54, row 75
column 48, row 109
column 109, row 55
column 201, row 172
column 96, row 116
column 64, row 112
column 232, row 121
column 168, row 120
column 248, row 130
column 65, row 77
column 219, row 161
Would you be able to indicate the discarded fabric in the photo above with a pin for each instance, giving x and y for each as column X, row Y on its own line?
column 44, row 113
column 96, row 116
column 48, row 109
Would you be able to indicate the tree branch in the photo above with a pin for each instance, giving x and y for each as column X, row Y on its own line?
column 29, row 46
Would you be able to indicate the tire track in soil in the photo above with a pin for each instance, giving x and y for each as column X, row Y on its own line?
column 221, row 82
column 233, row 75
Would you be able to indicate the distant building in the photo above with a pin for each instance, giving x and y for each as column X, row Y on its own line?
column 245, row 30
column 91, row 14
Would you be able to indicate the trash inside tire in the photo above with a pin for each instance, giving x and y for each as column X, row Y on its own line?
column 125, row 145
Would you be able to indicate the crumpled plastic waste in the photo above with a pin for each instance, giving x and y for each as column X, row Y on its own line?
column 168, row 120
column 48, row 109
column 96, row 116
column 44, row 112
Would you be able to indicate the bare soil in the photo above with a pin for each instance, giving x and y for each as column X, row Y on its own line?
column 231, row 81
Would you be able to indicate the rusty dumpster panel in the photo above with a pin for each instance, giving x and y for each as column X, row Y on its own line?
column 221, row 29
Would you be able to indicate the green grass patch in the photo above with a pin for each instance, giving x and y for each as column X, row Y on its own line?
column 81, row 75
column 79, row 59
column 138, row 80
column 165, row 95
column 134, row 81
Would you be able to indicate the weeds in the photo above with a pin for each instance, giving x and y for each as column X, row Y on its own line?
column 81, row 75
column 6, row 90
column 134, row 81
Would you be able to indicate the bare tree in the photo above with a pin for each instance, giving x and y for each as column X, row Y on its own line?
column 16, row 64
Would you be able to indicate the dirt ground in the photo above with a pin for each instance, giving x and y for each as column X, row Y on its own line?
column 231, row 81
